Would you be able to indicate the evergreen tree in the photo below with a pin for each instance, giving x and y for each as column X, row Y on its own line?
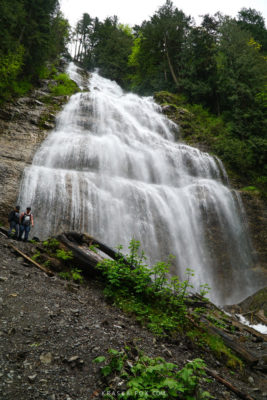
column 241, row 77
column 158, row 61
column 252, row 21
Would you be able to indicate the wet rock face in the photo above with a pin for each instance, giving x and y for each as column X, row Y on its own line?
column 24, row 124
column 256, row 212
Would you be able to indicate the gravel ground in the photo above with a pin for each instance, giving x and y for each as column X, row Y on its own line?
column 50, row 332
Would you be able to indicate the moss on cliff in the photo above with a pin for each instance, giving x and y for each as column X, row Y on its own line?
column 256, row 302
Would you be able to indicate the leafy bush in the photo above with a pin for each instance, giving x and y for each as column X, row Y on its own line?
column 64, row 255
column 36, row 256
column 51, row 244
column 64, row 87
column 10, row 67
column 74, row 274
column 150, row 378
column 157, row 300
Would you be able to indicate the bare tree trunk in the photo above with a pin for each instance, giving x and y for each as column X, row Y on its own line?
column 169, row 63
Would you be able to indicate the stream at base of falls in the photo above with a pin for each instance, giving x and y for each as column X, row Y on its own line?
column 112, row 168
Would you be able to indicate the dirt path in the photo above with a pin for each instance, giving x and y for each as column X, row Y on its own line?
column 50, row 331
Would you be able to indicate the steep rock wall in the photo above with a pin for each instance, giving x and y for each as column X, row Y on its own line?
column 24, row 124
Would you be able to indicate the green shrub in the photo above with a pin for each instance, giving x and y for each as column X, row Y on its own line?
column 10, row 67
column 157, row 300
column 74, row 274
column 150, row 378
column 51, row 244
column 64, row 255
column 64, row 87
column 36, row 256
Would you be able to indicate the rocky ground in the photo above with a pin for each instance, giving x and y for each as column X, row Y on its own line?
column 51, row 330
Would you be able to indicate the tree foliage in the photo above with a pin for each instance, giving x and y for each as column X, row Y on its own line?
column 32, row 33
column 105, row 45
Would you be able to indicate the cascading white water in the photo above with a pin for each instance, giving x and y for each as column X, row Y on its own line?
column 112, row 168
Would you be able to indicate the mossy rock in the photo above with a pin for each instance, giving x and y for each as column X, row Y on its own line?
column 251, row 189
column 256, row 302
column 169, row 98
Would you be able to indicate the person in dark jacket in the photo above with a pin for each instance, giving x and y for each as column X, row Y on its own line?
column 13, row 219
column 26, row 221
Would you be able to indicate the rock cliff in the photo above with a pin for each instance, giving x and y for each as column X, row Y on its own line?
column 24, row 124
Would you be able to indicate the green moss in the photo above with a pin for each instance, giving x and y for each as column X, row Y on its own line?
column 251, row 189
column 217, row 347
column 64, row 86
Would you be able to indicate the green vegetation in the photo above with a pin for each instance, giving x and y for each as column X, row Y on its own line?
column 64, row 87
column 51, row 244
column 74, row 274
column 157, row 300
column 53, row 248
column 216, row 345
column 105, row 45
column 36, row 256
column 61, row 254
column 32, row 34
column 150, row 378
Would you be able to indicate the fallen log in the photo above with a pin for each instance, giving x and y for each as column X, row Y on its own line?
column 82, row 238
column 240, row 350
column 46, row 270
column 86, row 260
column 228, row 384
column 3, row 230
column 260, row 336
column 261, row 317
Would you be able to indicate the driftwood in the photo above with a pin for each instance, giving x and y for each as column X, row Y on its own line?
column 47, row 271
column 228, row 384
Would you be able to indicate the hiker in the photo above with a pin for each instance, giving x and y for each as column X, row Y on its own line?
column 26, row 221
column 13, row 219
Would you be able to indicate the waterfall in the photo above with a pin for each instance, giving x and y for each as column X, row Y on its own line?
column 112, row 168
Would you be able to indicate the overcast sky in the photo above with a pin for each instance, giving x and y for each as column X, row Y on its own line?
column 135, row 11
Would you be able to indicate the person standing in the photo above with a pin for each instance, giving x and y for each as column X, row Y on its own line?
column 26, row 221
column 13, row 219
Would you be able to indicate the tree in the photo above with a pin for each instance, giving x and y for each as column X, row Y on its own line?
column 241, row 77
column 83, row 32
column 252, row 21
column 112, row 49
column 159, row 58
column 32, row 33
column 199, row 72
